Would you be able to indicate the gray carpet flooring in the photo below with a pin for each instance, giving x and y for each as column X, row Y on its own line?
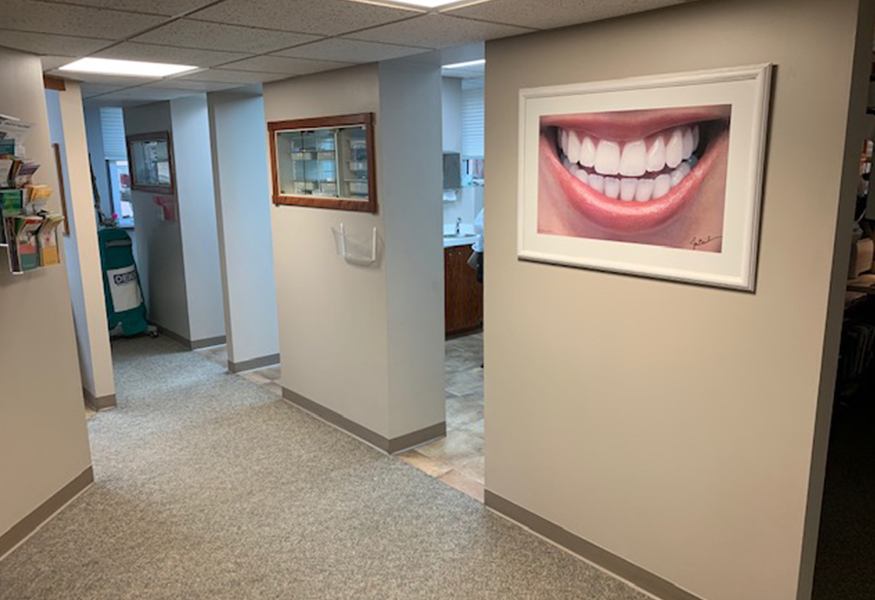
column 209, row 487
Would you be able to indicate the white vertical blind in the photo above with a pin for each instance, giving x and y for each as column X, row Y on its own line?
column 472, row 117
column 112, row 127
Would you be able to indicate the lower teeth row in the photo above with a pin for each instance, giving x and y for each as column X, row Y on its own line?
column 639, row 189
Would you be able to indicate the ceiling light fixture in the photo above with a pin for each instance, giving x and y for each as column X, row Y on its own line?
column 463, row 65
column 130, row 68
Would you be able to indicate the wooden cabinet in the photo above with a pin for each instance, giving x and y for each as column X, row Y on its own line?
column 463, row 294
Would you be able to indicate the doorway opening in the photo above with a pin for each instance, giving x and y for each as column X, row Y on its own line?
column 458, row 458
column 845, row 559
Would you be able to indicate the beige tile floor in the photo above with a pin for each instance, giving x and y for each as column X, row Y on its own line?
column 456, row 459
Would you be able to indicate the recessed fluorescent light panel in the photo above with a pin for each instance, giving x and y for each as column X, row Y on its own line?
column 466, row 64
column 130, row 68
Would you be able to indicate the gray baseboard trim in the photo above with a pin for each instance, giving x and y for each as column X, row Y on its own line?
column 383, row 443
column 98, row 403
column 176, row 337
column 254, row 363
column 647, row 581
column 417, row 438
column 207, row 342
column 191, row 344
column 42, row 513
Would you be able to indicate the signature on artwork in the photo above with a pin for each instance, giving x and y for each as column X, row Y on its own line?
column 698, row 242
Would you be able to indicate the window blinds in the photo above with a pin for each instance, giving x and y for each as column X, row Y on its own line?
column 472, row 117
column 112, row 127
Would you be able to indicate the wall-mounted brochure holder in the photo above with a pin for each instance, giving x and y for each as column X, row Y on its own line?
column 353, row 257
column 27, row 231
column 30, row 236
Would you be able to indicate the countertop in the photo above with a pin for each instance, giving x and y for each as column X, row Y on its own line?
column 461, row 240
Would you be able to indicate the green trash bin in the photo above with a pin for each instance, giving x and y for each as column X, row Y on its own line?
column 125, row 309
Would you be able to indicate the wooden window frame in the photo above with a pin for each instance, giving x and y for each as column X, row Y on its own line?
column 163, row 136
column 364, row 119
column 62, row 190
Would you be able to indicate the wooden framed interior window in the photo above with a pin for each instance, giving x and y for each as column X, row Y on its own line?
column 324, row 162
column 150, row 160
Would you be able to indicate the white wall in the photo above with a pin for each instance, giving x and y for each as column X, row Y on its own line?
column 470, row 199
column 410, row 180
column 451, row 114
column 178, row 259
column 243, row 214
column 469, row 203
column 340, row 339
column 673, row 424
column 332, row 316
column 197, row 217
column 84, row 273
column 159, row 243
column 43, row 440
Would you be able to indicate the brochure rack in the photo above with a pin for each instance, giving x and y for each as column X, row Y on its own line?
column 27, row 231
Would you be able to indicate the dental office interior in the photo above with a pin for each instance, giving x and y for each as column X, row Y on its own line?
column 288, row 341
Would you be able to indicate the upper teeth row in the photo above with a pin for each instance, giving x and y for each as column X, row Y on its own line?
column 634, row 158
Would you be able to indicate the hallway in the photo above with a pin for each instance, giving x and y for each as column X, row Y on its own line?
column 209, row 486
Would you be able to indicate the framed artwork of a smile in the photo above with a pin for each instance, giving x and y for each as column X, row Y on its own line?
column 653, row 176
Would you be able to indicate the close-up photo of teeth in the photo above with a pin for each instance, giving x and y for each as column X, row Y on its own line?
column 650, row 176
column 639, row 170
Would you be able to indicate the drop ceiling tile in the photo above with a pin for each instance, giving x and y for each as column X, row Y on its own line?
column 287, row 66
column 216, row 36
column 531, row 13
column 145, row 94
column 233, row 76
column 192, row 86
column 89, row 90
column 31, row 15
column 47, row 43
column 170, row 54
column 351, row 51
column 158, row 7
column 98, row 78
column 53, row 62
column 437, row 31
column 327, row 17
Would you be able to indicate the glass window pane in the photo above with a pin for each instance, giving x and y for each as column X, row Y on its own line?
column 326, row 162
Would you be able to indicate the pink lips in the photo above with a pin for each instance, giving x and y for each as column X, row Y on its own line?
column 626, row 125
column 625, row 216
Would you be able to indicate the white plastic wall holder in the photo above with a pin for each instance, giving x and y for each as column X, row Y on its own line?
column 358, row 260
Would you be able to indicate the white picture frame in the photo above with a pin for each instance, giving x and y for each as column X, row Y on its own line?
column 746, row 89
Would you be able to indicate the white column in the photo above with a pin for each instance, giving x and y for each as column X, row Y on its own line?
column 243, row 217
column 84, row 273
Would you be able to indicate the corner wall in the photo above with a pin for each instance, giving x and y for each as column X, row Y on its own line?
column 362, row 345
column 84, row 271
column 410, row 182
column 243, row 215
column 672, row 425
column 43, row 439
column 178, row 258
column 159, row 242
column 192, row 156
column 332, row 316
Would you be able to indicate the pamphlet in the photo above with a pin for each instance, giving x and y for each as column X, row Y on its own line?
column 25, row 241
column 10, row 206
column 22, row 172
column 38, row 193
column 47, row 238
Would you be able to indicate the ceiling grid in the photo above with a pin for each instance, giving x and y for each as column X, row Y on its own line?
column 240, row 42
